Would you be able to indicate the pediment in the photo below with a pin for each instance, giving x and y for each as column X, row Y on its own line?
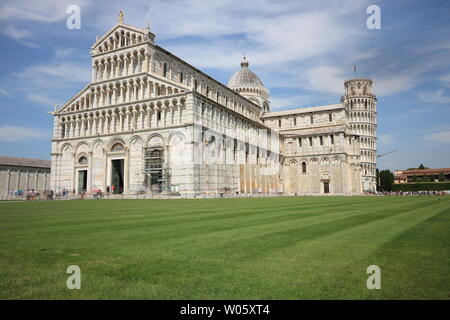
column 120, row 36
column 75, row 102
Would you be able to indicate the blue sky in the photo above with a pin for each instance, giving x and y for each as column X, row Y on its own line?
column 301, row 50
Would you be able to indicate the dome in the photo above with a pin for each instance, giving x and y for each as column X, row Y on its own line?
column 245, row 79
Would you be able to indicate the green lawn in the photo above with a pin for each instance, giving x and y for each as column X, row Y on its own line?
column 261, row 248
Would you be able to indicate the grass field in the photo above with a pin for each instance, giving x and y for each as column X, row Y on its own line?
column 261, row 248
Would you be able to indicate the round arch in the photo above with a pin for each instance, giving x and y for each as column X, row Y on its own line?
column 152, row 140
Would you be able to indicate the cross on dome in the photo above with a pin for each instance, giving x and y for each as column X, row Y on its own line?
column 245, row 78
column 244, row 63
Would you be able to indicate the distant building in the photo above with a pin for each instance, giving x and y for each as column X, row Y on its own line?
column 20, row 174
column 421, row 175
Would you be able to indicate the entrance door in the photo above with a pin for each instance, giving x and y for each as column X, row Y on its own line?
column 326, row 187
column 82, row 181
column 156, row 181
column 117, row 175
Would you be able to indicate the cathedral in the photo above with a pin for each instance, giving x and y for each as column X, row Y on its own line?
column 150, row 123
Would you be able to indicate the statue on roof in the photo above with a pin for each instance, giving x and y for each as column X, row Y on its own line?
column 121, row 17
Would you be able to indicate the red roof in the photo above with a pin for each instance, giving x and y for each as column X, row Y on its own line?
column 426, row 171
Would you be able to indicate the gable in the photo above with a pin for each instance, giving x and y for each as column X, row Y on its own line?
column 121, row 36
column 77, row 102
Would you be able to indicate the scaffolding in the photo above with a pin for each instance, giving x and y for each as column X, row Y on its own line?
column 157, row 175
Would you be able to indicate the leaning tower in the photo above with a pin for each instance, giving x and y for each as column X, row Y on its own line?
column 361, row 106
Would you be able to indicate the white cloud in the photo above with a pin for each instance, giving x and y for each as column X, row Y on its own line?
column 64, row 53
column 291, row 101
column 43, row 83
column 275, row 35
column 434, row 97
column 17, row 15
column 441, row 137
column 18, row 34
column 326, row 79
column 267, row 39
column 385, row 139
column 41, row 99
column 17, row 133
column 38, row 11
column 67, row 71
column 15, row 32
column 314, row 43
column 5, row 93
column 446, row 79
column 437, row 128
column 394, row 83
column 46, row 83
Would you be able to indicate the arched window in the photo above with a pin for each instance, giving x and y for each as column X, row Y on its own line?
column 195, row 84
column 82, row 160
column 165, row 69
column 122, row 38
column 303, row 167
column 117, row 147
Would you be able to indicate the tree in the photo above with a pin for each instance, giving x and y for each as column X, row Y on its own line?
column 441, row 177
column 377, row 174
column 421, row 166
column 386, row 178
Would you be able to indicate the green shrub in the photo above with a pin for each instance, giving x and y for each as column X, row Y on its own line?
column 424, row 186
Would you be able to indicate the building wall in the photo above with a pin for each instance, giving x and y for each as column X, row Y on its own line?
column 213, row 139
column 206, row 148
column 14, row 178
column 307, row 169
column 301, row 119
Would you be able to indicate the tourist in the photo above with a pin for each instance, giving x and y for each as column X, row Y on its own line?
column 99, row 194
